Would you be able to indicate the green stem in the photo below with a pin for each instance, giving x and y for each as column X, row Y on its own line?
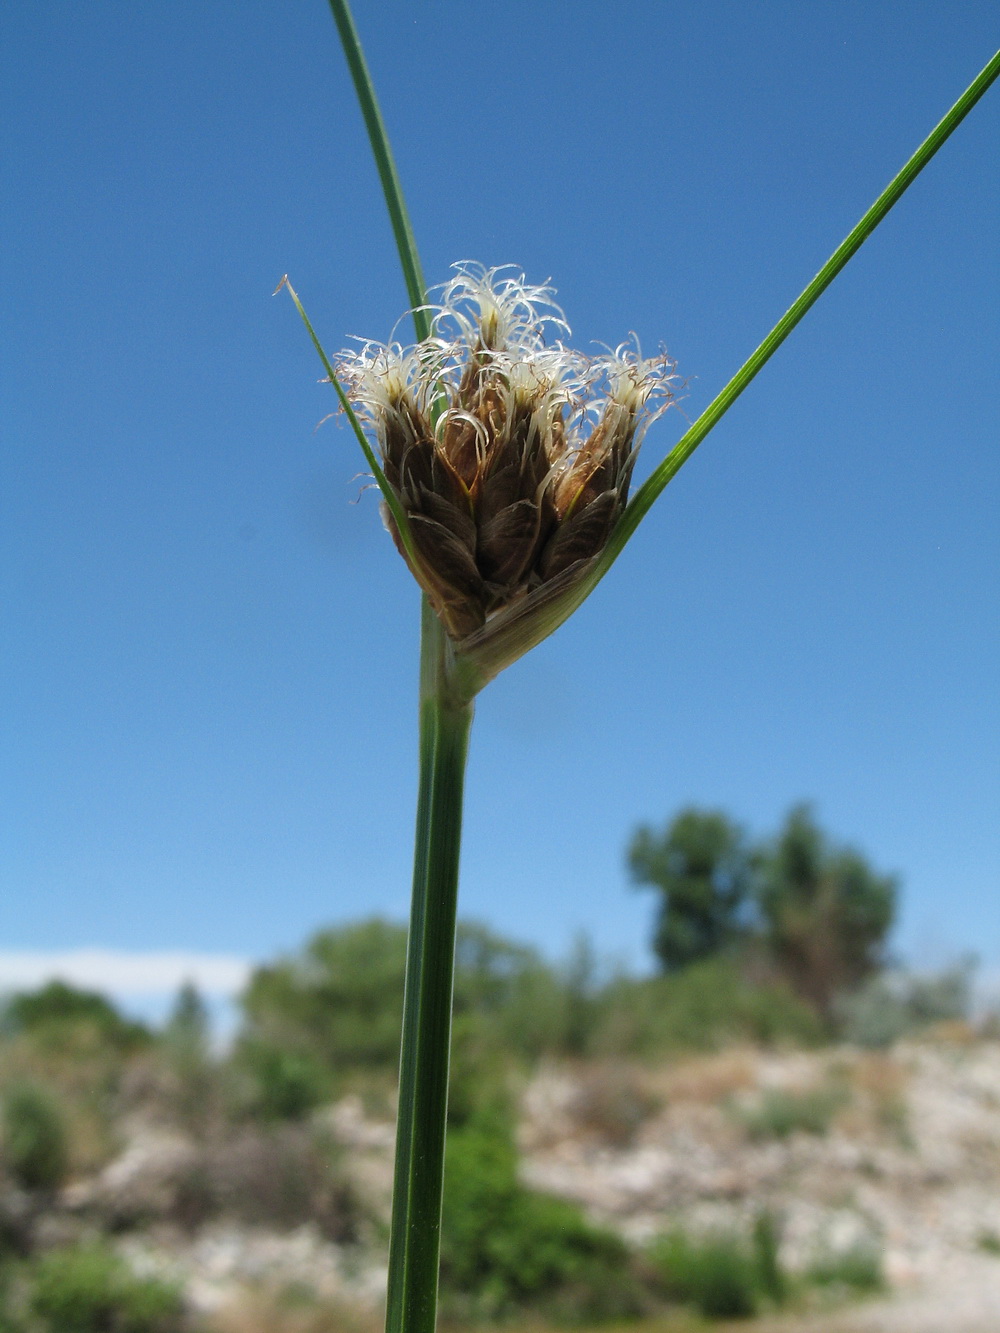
column 445, row 721
column 415, row 1236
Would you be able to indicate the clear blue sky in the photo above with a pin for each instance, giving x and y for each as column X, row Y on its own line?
column 208, row 671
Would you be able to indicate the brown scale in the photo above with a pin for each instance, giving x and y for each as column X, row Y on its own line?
column 437, row 506
column 513, row 516
column 590, row 496
column 486, row 526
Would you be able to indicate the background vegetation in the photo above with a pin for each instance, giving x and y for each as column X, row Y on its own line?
column 780, row 942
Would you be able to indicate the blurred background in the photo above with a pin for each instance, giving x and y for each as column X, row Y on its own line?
column 209, row 664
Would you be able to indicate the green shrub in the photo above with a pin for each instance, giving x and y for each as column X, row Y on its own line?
column 34, row 1137
column 771, row 1279
column 340, row 1000
column 824, row 911
column 715, row 1274
column 337, row 1007
column 284, row 1084
column 505, row 1248
column 780, row 1113
column 56, row 1014
column 10, row 1320
column 719, row 1274
column 91, row 1290
column 186, row 1044
column 897, row 1003
column 858, row 1269
column 704, row 1007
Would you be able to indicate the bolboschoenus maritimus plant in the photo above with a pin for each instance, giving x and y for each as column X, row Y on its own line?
column 504, row 460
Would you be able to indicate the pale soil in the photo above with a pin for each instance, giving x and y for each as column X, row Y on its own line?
column 964, row 1298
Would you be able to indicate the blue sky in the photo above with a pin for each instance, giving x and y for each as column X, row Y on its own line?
column 208, row 673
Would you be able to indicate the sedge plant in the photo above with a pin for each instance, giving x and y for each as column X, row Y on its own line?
column 503, row 458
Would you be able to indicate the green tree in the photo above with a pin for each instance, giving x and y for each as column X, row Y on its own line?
column 187, row 1045
column 339, row 1001
column 825, row 911
column 582, row 989
column 701, row 867
column 187, row 1029
column 337, row 1007
column 58, row 1014
column 507, row 997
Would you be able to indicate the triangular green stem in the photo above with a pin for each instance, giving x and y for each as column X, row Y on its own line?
column 415, row 1238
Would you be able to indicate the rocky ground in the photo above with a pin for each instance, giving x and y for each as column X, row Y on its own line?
column 908, row 1162
column 895, row 1152
column 901, row 1149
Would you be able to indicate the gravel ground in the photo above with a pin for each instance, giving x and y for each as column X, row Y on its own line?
column 963, row 1298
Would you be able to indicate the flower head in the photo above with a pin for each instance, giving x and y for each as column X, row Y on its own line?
column 510, row 455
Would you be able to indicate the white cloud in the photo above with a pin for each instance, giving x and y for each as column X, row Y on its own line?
column 125, row 974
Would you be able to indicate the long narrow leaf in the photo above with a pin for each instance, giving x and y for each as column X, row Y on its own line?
column 388, row 494
column 682, row 451
column 411, row 1304
column 507, row 637
column 385, row 162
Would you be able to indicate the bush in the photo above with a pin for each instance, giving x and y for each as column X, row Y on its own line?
column 858, row 1269
column 703, row 869
column 315, row 1022
column 185, row 1044
column 771, row 1278
column 34, row 1137
column 283, row 1084
column 505, row 1248
column 9, row 1320
column 779, row 1113
column 339, row 1002
column 508, row 999
column 56, row 1013
column 91, row 1290
column 825, row 911
column 704, row 1007
column 715, row 1274
column 895, row 1004
column 277, row 1177
column 718, row 1274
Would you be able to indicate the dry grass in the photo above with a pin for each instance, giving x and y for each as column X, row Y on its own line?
column 952, row 1032
column 708, row 1079
column 292, row 1312
column 81, row 1077
column 614, row 1099
column 879, row 1082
